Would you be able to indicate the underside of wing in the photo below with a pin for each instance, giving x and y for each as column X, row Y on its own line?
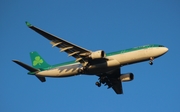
column 112, row 80
column 73, row 50
column 116, row 84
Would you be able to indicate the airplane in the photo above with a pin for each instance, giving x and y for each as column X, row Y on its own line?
column 107, row 66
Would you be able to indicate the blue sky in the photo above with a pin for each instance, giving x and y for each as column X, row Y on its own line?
column 95, row 25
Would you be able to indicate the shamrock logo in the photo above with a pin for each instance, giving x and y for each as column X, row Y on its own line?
column 37, row 60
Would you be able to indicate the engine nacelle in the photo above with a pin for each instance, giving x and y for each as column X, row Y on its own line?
column 126, row 77
column 97, row 54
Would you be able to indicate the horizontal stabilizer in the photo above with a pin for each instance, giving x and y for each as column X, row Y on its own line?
column 27, row 67
column 42, row 79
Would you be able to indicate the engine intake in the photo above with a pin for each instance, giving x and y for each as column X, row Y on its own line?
column 126, row 77
column 97, row 54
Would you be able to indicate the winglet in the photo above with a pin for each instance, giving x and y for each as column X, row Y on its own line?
column 28, row 24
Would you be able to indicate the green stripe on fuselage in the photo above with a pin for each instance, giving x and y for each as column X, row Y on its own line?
column 64, row 64
column 108, row 54
column 133, row 49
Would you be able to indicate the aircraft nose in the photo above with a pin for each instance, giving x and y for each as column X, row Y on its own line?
column 159, row 51
column 165, row 49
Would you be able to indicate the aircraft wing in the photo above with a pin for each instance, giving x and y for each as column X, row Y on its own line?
column 113, row 81
column 65, row 46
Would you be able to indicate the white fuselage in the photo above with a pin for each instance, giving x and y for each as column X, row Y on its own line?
column 113, row 61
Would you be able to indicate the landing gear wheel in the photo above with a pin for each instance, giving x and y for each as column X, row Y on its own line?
column 151, row 63
column 98, row 84
column 102, row 80
column 151, row 60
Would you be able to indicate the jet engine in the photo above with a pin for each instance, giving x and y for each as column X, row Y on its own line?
column 97, row 54
column 126, row 77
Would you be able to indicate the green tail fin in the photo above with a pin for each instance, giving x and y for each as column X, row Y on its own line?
column 38, row 61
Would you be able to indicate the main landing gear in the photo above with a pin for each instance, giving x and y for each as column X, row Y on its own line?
column 98, row 84
column 151, row 61
column 103, row 80
column 84, row 68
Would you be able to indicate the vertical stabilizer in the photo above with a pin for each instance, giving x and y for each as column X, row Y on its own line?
column 38, row 61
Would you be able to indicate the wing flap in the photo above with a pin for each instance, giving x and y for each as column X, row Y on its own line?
column 55, row 44
column 66, row 48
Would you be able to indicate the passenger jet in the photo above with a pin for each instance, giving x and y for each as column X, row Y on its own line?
column 104, row 65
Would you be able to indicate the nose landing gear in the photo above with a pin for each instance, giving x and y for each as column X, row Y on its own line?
column 151, row 61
